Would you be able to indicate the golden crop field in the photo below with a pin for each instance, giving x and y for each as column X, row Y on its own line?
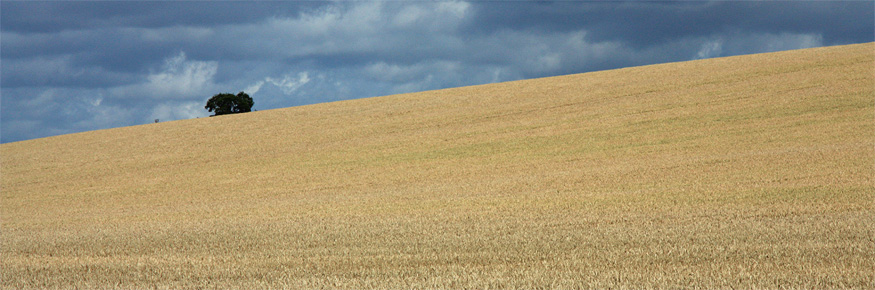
column 746, row 172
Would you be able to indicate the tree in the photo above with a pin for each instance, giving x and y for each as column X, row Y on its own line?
column 229, row 104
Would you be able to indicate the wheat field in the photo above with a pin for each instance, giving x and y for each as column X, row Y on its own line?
column 751, row 172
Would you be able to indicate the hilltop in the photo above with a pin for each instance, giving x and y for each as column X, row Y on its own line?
column 751, row 171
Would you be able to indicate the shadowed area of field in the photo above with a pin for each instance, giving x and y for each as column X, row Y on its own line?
column 742, row 172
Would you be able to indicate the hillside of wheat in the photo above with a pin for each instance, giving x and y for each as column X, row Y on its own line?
column 752, row 171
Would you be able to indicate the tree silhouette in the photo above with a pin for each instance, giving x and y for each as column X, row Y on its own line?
column 226, row 103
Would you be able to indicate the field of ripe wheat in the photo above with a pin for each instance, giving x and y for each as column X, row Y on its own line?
column 742, row 172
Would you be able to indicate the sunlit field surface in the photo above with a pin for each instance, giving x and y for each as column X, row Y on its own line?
column 742, row 172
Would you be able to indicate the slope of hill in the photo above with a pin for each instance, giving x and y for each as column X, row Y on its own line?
column 746, row 172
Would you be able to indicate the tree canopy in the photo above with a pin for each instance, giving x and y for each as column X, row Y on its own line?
column 226, row 103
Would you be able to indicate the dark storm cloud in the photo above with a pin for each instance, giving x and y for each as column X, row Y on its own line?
column 75, row 66
column 644, row 24
column 56, row 16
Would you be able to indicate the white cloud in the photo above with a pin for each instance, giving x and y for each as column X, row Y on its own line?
column 99, row 116
column 350, row 28
column 408, row 16
column 383, row 71
column 179, row 78
column 182, row 77
column 710, row 49
column 746, row 43
column 459, row 9
column 334, row 29
column 414, row 77
column 288, row 84
column 45, row 98
column 442, row 16
column 96, row 101
column 534, row 54
column 254, row 88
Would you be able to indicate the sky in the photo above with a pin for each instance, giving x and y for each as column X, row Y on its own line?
column 73, row 66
